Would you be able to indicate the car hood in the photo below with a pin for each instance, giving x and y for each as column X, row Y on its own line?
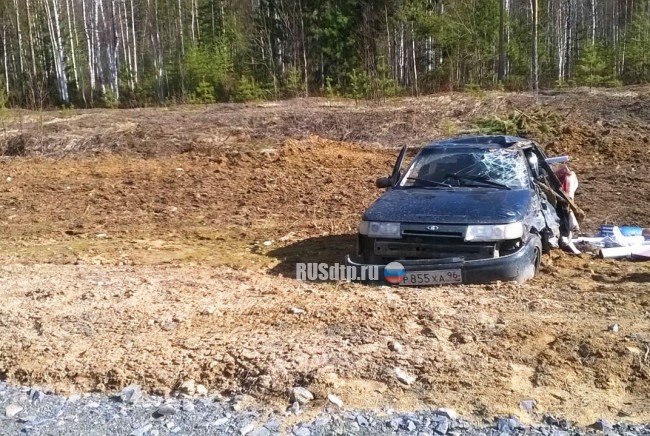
column 451, row 206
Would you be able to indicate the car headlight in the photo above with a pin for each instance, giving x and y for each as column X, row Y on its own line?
column 375, row 229
column 498, row 232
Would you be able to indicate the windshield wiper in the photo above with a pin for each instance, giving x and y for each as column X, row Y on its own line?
column 483, row 180
column 432, row 182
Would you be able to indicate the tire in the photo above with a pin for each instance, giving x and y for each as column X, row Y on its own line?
column 533, row 268
column 546, row 243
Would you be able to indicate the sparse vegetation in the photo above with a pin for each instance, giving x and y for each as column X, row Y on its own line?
column 295, row 86
column 111, row 99
column 204, row 93
column 538, row 123
column 448, row 127
column 248, row 90
column 330, row 90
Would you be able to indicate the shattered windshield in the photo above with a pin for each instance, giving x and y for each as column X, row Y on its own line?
column 488, row 167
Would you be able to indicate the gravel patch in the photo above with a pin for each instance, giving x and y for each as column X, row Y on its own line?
column 33, row 411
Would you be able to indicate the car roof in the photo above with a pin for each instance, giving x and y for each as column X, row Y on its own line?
column 502, row 141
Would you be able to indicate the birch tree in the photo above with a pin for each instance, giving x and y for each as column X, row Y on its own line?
column 135, row 52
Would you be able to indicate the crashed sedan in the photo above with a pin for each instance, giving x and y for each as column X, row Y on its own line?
column 472, row 209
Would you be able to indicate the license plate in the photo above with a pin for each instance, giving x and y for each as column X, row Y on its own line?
column 424, row 278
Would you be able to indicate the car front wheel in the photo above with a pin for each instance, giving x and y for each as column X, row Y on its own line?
column 532, row 269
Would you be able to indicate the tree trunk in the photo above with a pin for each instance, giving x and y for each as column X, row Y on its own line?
column 401, row 54
column 4, row 51
column 19, row 33
column 99, row 7
column 415, row 60
column 502, row 45
column 214, row 34
column 80, row 85
column 160, row 72
column 192, row 18
column 535, row 54
column 90, row 46
column 72, row 43
column 388, row 41
column 507, row 37
column 304, row 49
column 30, row 24
column 180, row 27
column 113, row 53
column 593, row 21
column 58, row 50
column 135, row 46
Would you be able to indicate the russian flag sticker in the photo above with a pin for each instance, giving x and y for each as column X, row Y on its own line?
column 394, row 273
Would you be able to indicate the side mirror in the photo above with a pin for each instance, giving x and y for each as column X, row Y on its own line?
column 384, row 182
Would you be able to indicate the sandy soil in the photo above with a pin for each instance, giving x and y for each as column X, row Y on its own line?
column 157, row 246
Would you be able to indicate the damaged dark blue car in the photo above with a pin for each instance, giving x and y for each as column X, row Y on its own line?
column 472, row 209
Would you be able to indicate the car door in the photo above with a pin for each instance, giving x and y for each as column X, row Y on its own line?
column 397, row 169
column 544, row 217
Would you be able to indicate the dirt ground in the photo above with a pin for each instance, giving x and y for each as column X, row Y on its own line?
column 158, row 245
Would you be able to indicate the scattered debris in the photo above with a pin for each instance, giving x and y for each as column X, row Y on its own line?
column 131, row 394
column 441, row 424
column 410, row 426
column 447, row 413
column 289, row 236
column 507, row 425
column 614, row 242
column 237, row 403
column 614, row 328
column 362, row 421
column 404, row 377
column 396, row 347
column 302, row 395
column 260, row 431
column 12, row 410
column 335, row 400
column 640, row 252
column 247, row 429
column 297, row 311
column 36, row 395
column 142, row 430
column 165, row 410
column 188, row 387
column 201, row 390
column 602, row 425
column 528, row 405
column 221, row 421
column 301, row 431
column 210, row 310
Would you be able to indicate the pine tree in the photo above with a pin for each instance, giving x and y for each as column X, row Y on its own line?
column 592, row 67
column 637, row 65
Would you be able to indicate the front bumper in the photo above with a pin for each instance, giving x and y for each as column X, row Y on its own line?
column 518, row 266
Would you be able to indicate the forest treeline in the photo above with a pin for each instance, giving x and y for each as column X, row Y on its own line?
column 140, row 52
